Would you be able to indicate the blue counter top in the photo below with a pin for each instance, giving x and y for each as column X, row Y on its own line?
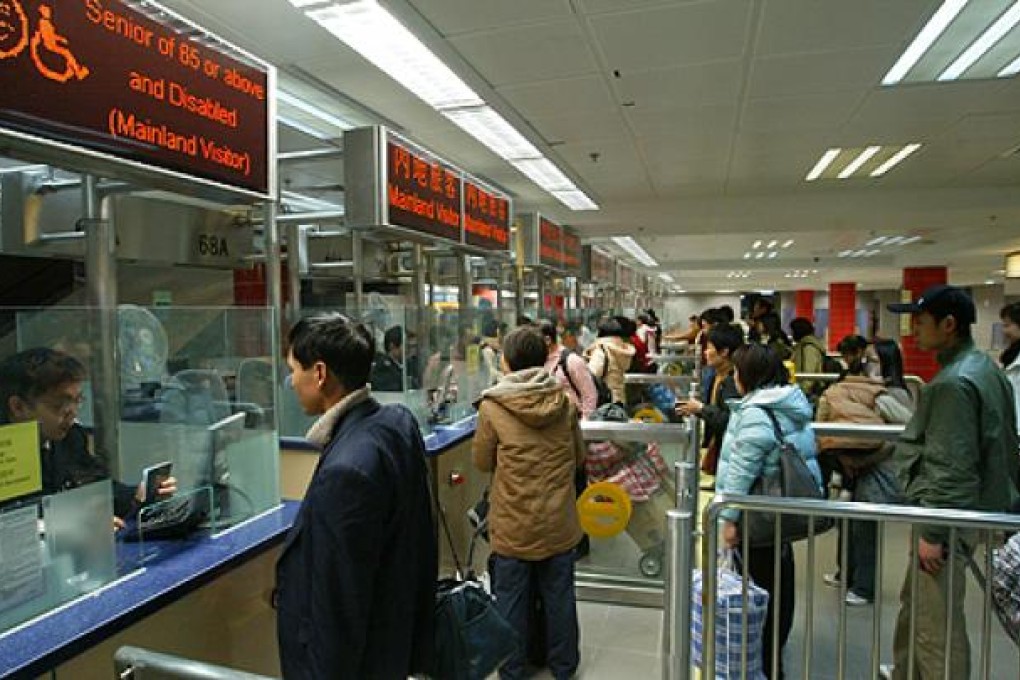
column 439, row 441
column 43, row 643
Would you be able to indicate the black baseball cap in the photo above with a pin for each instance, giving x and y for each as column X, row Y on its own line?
column 941, row 301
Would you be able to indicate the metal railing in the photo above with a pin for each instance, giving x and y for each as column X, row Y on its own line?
column 135, row 663
column 954, row 520
column 677, row 382
column 911, row 380
column 858, row 431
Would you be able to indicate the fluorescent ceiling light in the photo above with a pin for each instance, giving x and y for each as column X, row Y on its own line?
column 822, row 164
column 313, row 110
column 1011, row 69
column 757, row 244
column 773, row 254
column 875, row 241
column 872, row 253
column 575, row 199
column 309, row 202
column 1003, row 25
column 895, row 159
column 892, row 240
column 759, row 256
column 635, row 250
column 667, row 278
column 912, row 239
column 928, row 35
column 747, row 256
column 544, row 173
column 725, row 292
column 772, row 243
column 306, row 3
column 788, row 243
column 845, row 253
column 375, row 34
column 492, row 130
column 371, row 31
column 856, row 163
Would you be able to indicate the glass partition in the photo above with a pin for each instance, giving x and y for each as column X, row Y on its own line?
column 55, row 548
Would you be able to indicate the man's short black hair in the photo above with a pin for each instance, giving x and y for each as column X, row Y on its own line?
column 712, row 315
column 852, row 343
column 524, row 347
column 393, row 337
column 726, row 336
column 547, row 327
column 801, row 327
column 34, row 372
column 344, row 346
column 758, row 366
column 727, row 313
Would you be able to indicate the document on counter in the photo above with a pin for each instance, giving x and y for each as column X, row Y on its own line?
column 21, row 564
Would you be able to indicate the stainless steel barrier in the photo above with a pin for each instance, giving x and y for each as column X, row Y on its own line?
column 135, row 663
column 612, row 587
column 677, row 382
column 955, row 520
column 858, row 431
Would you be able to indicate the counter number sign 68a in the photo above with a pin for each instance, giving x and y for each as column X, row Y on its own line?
column 211, row 245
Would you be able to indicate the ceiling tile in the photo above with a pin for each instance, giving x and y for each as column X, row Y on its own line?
column 522, row 55
column 559, row 97
column 700, row 85
column 809, row 112
column 454, row 17
column 799, row 26
column 709, row 122
column 581, row 127
column 819, row 73
column 615, row 6
column 672, row 35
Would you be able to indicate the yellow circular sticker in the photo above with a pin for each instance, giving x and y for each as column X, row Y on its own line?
column 649, row 414
column 604, row 509
column 673, row 369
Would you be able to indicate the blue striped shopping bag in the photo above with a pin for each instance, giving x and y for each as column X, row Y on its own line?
column 729, row 615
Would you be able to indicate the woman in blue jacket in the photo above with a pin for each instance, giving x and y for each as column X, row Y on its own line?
column 749, row 450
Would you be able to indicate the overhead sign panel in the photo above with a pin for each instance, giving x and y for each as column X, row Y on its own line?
column 422, row 193
column 550, row 243
column 134, row 82
column 486, row 217
column 571, row 251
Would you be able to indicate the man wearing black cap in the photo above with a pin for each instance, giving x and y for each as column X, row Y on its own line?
column 958, row 451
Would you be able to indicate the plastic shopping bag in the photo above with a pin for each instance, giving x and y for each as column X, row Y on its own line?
column 729, row 615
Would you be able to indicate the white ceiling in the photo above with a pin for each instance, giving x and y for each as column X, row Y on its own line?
column 705, row 117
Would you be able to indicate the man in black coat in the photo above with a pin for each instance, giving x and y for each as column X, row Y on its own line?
column 356, row 578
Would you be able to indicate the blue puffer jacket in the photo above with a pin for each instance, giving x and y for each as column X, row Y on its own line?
column 750, row 448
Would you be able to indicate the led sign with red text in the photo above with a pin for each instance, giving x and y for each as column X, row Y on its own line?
column 105, row 76
column 550, row 243
column 601, row 267
column 486, row 218
column 571, row 251
column 422, row 194
column 626, row 281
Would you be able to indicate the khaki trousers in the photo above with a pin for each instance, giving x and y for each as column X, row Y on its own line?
column 930, row 629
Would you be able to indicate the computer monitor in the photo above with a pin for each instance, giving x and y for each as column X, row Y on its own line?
column 222, row 434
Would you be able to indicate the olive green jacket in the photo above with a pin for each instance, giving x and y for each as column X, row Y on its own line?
column 960, row 450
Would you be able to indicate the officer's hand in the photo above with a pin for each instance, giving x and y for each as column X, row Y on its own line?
column 931, row 556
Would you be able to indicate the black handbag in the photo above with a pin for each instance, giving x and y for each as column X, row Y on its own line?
column 472, row 637
column 793, row 479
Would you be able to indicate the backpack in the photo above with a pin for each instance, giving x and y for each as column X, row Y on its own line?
column 603, row 395
column 829, row 364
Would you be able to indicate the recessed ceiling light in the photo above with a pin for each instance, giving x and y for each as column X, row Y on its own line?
column 788, row 243
column 773, row 254
column 759, row 255
column 928, row 35
column 757, row 244
column 989, row 282
column 895, row 159
column 1003, row 25
column 822, row 164
column 747, row 256
column 856, row 163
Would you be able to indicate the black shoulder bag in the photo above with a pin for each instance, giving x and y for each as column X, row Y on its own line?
column 793, row 479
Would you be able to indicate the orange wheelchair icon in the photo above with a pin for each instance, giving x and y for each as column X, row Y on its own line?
column 45, row 44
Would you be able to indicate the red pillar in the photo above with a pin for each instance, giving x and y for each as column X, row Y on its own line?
column 804, row 304
column 842, row 312
column 917, row 361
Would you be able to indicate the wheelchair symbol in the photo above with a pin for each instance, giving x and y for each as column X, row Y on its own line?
column 45, row 43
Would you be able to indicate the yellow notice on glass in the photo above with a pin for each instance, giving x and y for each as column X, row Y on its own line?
column 20, row 467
